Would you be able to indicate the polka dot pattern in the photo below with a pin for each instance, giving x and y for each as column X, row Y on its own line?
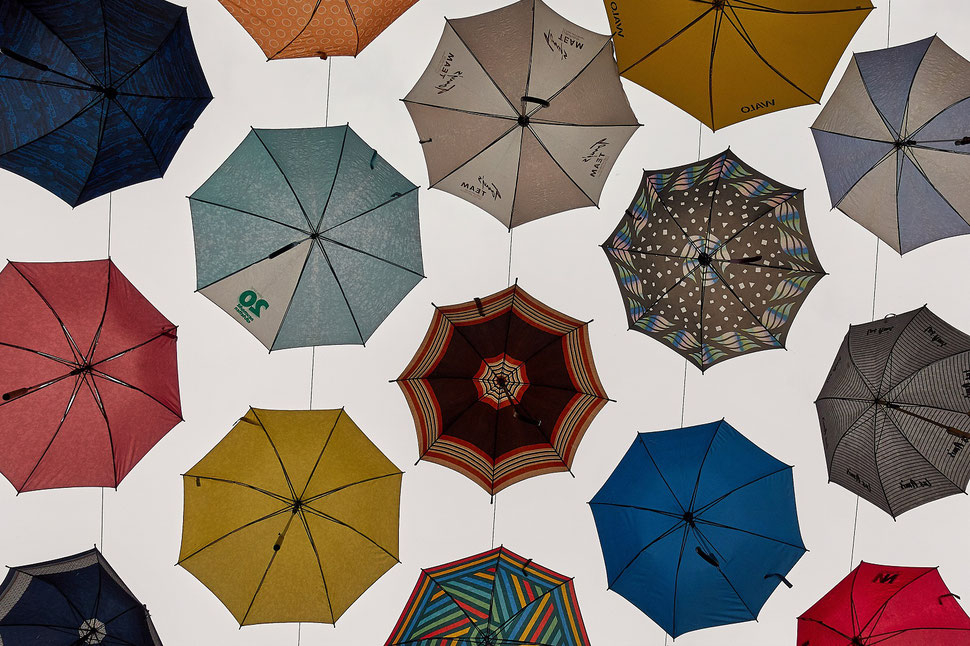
column 714, row 259
column 305, row 29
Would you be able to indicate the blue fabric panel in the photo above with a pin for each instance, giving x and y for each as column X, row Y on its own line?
column 41, row 603
column 164, row 122
column 136, row 30
column 308, row 157
column 124, row 157
column 945, row 129
column 249, row 180
column 227, row 241
column 318, row 313
column 680, row 455
column 888, row 75
column 36, row 109
column 60, row 161
column 765, row 507
column 733, row 461
column 649, row 581
column 636, row 482
column 172, row 71
column 626, row 531
column 391, row 231
column 364, row 181
column 845, row 160
column 79, row 25
column 24, row 34
column 924, row 216
column 373, row 286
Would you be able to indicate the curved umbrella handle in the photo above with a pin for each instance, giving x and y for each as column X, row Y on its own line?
column 707, row 557
column 783, row 579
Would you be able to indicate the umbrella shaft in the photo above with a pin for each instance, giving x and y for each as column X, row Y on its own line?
column 949, row 429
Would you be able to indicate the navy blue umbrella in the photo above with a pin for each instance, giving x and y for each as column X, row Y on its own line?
column 95, row 95
column 697, row 526
column 73, row 601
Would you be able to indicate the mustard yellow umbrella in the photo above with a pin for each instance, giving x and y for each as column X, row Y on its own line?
column 291, row 517
column 725, row 61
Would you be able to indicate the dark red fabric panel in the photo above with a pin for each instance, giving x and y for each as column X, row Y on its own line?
column 130, row 319
column 25, row 320
column 152, row 368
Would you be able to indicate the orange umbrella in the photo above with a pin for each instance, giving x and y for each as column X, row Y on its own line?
column 315, row 28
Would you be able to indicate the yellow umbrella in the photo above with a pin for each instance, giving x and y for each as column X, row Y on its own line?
column 725, row 61
column 291, row 517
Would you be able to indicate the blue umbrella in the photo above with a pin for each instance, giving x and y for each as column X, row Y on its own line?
column 95, row 95
column 72, row 601
column 697, row 526
column 307, row 237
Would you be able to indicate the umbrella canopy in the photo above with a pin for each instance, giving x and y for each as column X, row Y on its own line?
column 725, row 61
column 306, row 237
column 88, row 375
column 714, row 259
column 894, row 412
column 72, row 601
column 95, row 95
column 886, row 604
column 893, row 143
column 496, row 598
column 502, row 388
column 697, row 526
column 521, row 112
column 291, row 517
column 322, row 28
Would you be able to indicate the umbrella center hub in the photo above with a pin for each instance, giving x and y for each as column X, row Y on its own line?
column 109, row 92
column 719, row 4
column 903, row 143
column 689, row 518
column 857, row 641
column 315, row 235
column 488, row 639
column 704, row 259
column 501, row 381
column 523, row 120
column 92, row 631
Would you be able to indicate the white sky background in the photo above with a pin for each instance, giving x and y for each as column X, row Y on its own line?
column 444, row 516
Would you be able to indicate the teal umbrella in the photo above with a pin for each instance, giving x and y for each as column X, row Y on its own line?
column 306, row 237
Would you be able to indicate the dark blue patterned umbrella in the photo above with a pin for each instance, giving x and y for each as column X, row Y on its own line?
column 72, row 601
column 95, row 95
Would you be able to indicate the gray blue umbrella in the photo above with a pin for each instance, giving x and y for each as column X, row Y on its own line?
column 307, row 237
column 893, row 142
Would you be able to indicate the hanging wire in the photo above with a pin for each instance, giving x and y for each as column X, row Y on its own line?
column 875, row 278
column 889, row 19
column 510, row 258
column 101, row 540
column 109, row 225
column 326, row 114
column 313, row 362
column 494, row 511
column 299, row 629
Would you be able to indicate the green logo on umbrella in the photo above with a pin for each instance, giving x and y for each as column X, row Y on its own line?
column 250, row 305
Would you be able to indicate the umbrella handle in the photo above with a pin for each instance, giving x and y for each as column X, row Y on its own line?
column 950, row 594
column 783, row 579
column 23, row 59
column 707, row 557
column 533, row 99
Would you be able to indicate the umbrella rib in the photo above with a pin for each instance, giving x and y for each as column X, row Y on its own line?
column 931, row 141
column 96, row 394
column 450, row 425
column 877, row 615
column 356, row 29
column 365, row 253
column 889, row 356
column 896, row 633
column 526, row 607
column 448, row 594
column 518, row 170
column 592, row 202
column 340, row 286
column 498, row 559
column 115, row 380
column 673, row 218
column 255, row 215
column 739, row 28
column 825, row 625
column 272, row 495
column 320, row 455
column 70, row 402
column 904, row 126
column 286, row 476
column 720, row 571
column 751, row 6
column 316, row 554
column 680, row 558
column 474, row 113
column 13, row 346
column 63, row 42
column 568, row 390
column 920, row 453
column 317, row 512
column 767, row 211
column 470, row 159
column 167, row 332
column 718, row 19
column 313, row 15
column 67, row 86
column 660, row 473
column 125, row 77
column 706, row 507
column 667, row 42
column 349, row 485
column 286, row 312
column 141, row 134
column 287, row 179
column 77, row 611
column 844, row 134
column 485, row 71
column 104, row 313
column 545, row 345
column 656, row 511
column 700, row 469
column 272, row 558
column 748, row 309
column 889, row 155
column 849, row 430
column 333, row 184
column 371, row 210
column 875, row 460
column 94, row 162
column 745, row 531
column 661, row 297
column 577, row 75
column 919, row 168
column 36, row 387
column 238, row 529
column 505, row 345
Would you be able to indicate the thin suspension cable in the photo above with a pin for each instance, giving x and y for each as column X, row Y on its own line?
column 313, row 361
column 855, row 524
column 510, row 259
column 299, row 629
column 875, row 279
column 101, row 540
column 683, row 397
column 109, row 225
column 494, row 512
column 700, row 131
column 326, row 113
column 889, row 19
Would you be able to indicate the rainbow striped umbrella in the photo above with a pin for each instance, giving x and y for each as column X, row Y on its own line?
column 495, row 598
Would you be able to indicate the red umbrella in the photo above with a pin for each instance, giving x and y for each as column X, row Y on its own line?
column 502, row 388
column 88, row 375
column 886, row 604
